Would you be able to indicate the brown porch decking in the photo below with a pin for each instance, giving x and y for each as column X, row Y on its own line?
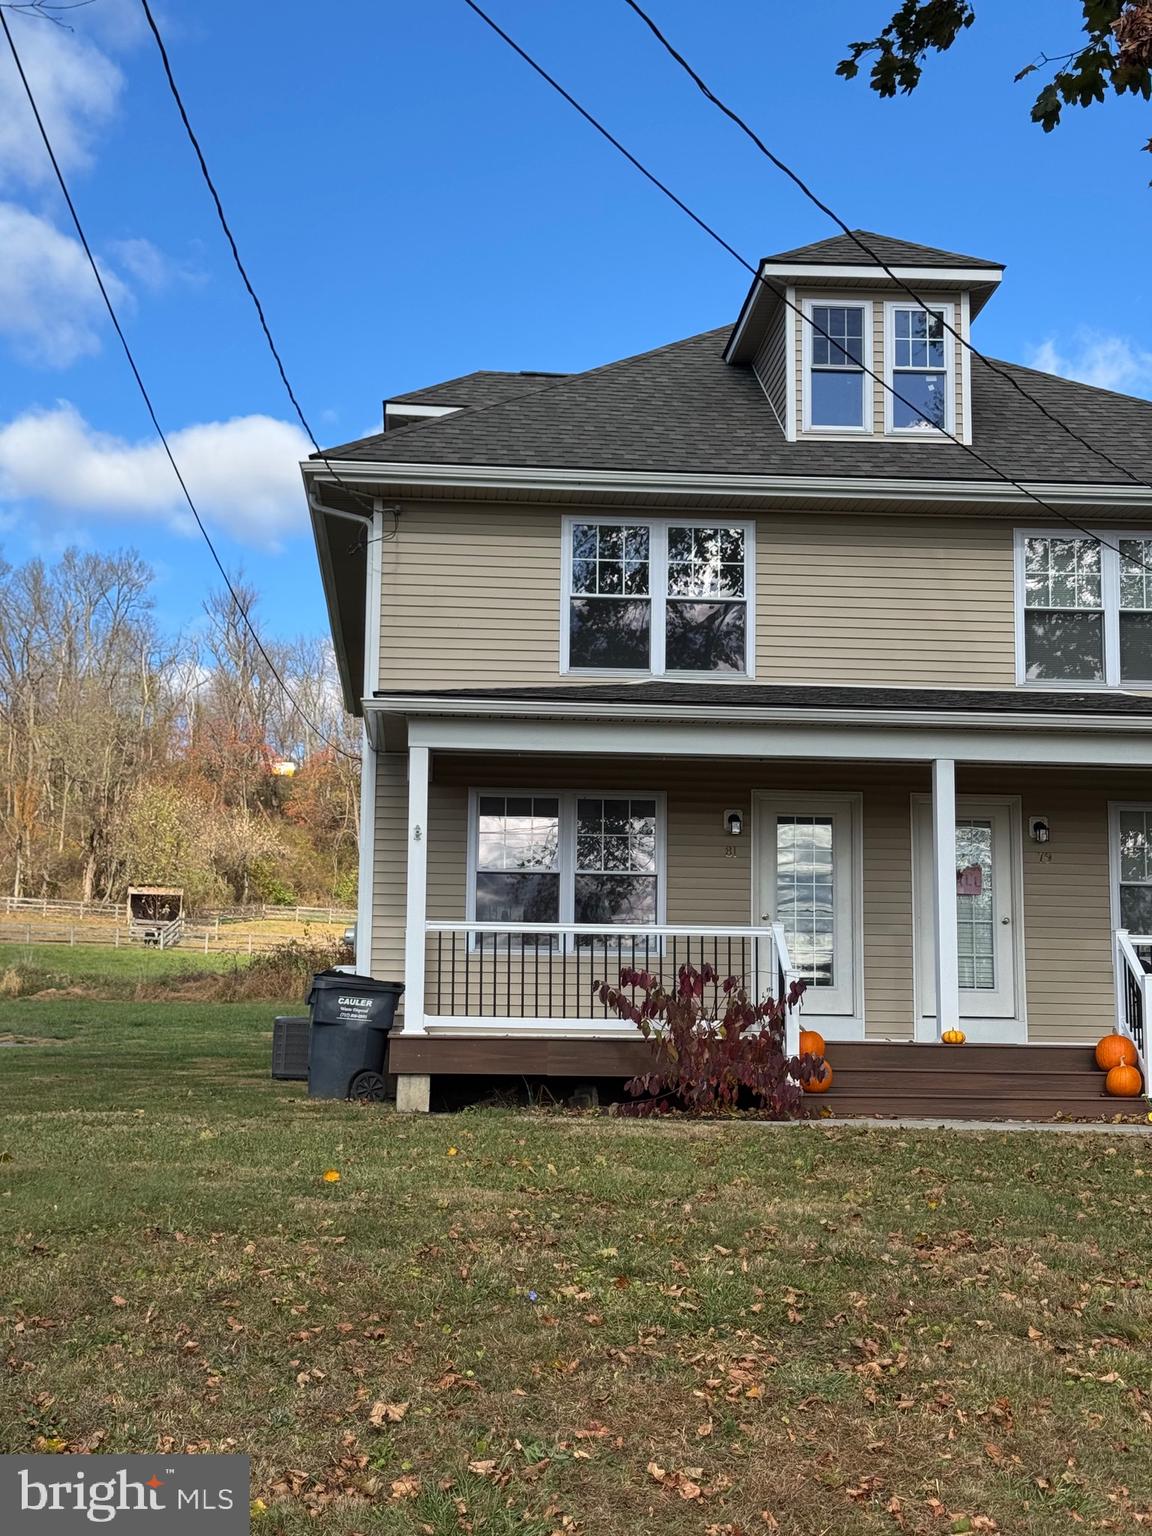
column 871, row 1077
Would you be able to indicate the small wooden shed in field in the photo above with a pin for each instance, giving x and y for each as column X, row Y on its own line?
column 153, row 910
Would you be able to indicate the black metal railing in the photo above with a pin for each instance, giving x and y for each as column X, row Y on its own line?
column 552, row 971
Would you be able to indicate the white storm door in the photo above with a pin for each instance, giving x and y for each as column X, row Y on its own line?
column 987, row 919
column 807, row 883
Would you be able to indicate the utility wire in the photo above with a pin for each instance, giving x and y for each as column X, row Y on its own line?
column 781, row 294
column 83, row 238
column 357, row 495
column 856, row 239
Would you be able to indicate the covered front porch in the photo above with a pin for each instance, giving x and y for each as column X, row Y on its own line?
column 916, row 879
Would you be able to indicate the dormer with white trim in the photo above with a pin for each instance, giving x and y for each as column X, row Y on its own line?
column 843, row 350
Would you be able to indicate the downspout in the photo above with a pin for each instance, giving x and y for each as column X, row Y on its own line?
column 371, row 682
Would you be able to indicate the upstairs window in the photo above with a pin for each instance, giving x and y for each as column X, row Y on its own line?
column 1084, row 609
column 835, row 342
column 918, row 369
column 665, row 598
column 1063, row 611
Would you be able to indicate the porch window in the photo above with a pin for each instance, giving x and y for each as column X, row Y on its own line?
column 517, row 859
column 663, row 598
column 1086, row 608
column 566, row 858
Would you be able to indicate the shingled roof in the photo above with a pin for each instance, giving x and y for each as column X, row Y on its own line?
column 484, row 387
column 842, row 250
column 682, row 409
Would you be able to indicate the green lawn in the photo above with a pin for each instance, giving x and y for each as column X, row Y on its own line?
column 572, row 1325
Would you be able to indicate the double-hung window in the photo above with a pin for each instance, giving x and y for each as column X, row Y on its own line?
column 664, row 597
column 836, row 345
column 1084, row 608
column 919, row 370
column 566, row 858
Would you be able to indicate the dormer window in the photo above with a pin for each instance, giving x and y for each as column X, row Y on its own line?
column 836, row 345
column 919, row 370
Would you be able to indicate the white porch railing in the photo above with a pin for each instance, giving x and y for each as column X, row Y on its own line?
column 525, row 977
column 1134, row 992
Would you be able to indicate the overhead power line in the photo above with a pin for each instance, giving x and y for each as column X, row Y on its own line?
column 781, row 293
column 136, row 374
column 357, row 495
column 857, row 240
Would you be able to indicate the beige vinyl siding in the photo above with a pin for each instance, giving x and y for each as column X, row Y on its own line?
column 472, row 598
column 770, row 364
column 881, row 600
column 1066, row 916
column 390, row 866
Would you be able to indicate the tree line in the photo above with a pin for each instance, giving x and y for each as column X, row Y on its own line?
column 129, row 756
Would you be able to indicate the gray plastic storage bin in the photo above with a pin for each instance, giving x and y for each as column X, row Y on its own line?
column 290, row 1047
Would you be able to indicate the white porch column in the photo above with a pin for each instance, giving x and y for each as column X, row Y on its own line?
column 944, row 893
column 417, row 903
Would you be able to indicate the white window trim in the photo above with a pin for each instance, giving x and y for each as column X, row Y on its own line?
column 890, row 370
column 1109, row 601
column 567, row 846
column 658, row 595
column 867, row 385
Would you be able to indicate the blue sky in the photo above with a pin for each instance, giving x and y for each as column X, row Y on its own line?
column 413, row 203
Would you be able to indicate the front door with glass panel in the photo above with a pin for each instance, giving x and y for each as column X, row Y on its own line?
column 807, row 883
column 1132, row 871
column 986, row 920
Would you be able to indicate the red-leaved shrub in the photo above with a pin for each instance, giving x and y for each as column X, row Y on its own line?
column 710, row 1056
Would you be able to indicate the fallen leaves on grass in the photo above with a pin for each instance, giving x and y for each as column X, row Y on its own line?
column 406, row 1488
column 381, row 1414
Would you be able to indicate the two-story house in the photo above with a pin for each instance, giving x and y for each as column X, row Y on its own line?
column 810, row 645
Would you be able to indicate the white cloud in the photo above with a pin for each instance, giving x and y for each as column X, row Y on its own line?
column 151, row 267
column 50, row 306
column 77, row 88
column 1097, row 357
column 242, row 473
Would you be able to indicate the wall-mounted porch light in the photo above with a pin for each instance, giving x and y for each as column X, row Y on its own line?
column 1038, row 829
column 733, row 823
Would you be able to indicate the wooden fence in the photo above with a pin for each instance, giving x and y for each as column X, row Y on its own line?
column 206, row 939
column 48, row 906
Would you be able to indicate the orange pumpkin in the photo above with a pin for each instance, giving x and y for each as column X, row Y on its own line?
column 823, row 1080
column 1115, row 1051
column 811, row 1043
column 1124, row 1082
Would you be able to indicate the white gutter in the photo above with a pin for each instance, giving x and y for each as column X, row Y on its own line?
column 757, row 714
column 816, row 488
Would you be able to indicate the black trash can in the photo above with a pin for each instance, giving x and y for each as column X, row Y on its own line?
column 351, row 1017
